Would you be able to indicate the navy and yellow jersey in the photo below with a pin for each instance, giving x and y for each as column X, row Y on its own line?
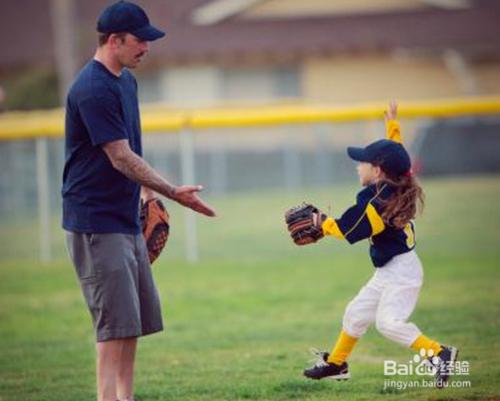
column 364, row 221
column 393, row 131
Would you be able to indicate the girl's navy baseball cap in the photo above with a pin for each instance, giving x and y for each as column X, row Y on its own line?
column 125, row 16
column 391, row 156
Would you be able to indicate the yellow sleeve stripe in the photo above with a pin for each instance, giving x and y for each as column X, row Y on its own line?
column 377, row 225
column 330, row 227
column 394, row 131
column 375, row 220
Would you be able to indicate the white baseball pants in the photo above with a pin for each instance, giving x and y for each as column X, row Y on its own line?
column 388, row 299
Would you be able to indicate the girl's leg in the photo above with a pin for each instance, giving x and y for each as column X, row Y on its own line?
column 358, row 316
column 398, row 300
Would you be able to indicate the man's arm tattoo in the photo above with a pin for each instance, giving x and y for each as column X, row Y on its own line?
column 137, row 169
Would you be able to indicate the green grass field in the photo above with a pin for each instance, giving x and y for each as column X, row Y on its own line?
column 240, row 323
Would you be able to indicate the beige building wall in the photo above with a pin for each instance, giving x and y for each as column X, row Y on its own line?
column 190, row 86
column 301, row 8
column 359, row 78
column 487, row 77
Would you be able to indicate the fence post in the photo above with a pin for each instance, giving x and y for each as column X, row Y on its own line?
column 43, row 195
column 188, row 178
column 322, row 158
column 218, row 171
column 291, row 163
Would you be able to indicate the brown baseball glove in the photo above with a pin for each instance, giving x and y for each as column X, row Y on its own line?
column 155, row 227
column 304, row 223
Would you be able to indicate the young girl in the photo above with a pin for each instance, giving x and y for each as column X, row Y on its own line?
column 383, row 213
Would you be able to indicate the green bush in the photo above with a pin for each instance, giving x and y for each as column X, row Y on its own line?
column 31, row 89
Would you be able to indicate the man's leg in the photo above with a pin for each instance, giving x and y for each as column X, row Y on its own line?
column 125, row 377
column 117, row 297
column 108, row 362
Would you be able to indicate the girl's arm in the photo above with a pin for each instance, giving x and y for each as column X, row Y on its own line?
column 355, row 225
column 330, row 227
column 391, row 124
column 358, row 222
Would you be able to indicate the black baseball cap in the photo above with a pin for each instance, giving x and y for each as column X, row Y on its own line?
column 391, row 156
column 125, row 16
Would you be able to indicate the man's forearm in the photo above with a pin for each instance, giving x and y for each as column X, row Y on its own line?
column 137, row 169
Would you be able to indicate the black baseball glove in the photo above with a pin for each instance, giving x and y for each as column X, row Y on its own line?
column 304, row 223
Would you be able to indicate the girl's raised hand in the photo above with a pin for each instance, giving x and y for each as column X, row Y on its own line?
column 392, row 112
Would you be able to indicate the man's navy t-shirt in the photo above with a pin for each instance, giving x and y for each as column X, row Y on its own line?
column 101, row 107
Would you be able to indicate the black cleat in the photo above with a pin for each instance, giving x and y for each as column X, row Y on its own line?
column 324, row 370
column 444, row 364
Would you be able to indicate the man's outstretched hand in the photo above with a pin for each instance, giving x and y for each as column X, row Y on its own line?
column 187, row 195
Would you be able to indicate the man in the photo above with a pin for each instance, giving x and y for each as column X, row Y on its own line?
column 102, row 181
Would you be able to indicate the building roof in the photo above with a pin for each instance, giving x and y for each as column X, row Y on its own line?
column 236, row 38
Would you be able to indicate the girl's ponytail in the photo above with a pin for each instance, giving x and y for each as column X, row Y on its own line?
column 407, row 200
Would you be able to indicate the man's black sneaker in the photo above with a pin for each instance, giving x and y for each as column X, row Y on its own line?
column 324, row 370
column 444, row 364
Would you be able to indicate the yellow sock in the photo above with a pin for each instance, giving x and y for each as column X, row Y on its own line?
column 426, row 343
column 342, row 349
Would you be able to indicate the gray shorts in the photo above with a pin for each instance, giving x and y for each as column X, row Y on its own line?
column 117, row 283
